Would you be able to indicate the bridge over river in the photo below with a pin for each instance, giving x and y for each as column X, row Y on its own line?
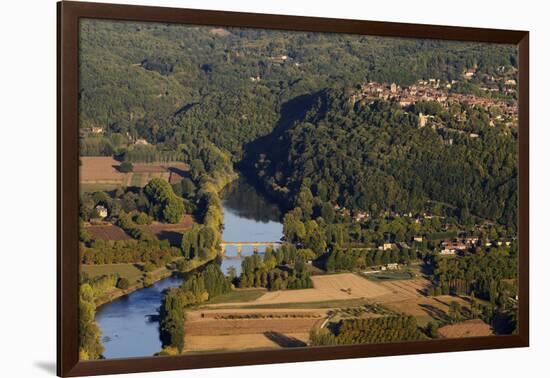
column 256, row 245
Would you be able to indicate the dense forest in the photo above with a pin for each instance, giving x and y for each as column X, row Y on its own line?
column 373, row 156
column 175, row 84
column 194, row 92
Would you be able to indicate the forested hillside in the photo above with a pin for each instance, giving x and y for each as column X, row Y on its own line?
column 167, row 83
column 373, row 156
column 156, row 92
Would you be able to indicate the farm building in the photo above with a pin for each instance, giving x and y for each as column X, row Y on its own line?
column 101, row 211
column 448, row 252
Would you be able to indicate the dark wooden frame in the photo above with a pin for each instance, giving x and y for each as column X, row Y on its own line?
column 68, row 15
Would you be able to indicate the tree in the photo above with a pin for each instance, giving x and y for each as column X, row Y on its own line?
column 454, row 311
column 327, row 212
column 173, row 210
column 126, row 167
column 160, row 193
column 231, row 273
column 123, row 283
column 90, row 347
column 305, row 202
column 432, row 330
column 142, row 218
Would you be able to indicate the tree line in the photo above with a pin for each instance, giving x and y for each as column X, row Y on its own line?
column 359, row 258
column 89, row 334
column 283, row 269
column 198, row 288
column 157, row 252
column 383, row 329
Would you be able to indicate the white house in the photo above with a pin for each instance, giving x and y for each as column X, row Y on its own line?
column 101, row 211
column 448, row 252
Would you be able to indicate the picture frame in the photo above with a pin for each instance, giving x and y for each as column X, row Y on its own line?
column 68, row 15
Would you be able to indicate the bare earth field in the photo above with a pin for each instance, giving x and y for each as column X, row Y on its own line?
column 107, row 232
column 407, row 296
column 243, row 342
column 100, row 169
column 281, row 319
column 468, row 328
column 426, row 308
column 101, row 173
column 325, row 288
column 170, row 232
column 404, row 289
column 212, row 327
column 239, row 329
column 157, row 227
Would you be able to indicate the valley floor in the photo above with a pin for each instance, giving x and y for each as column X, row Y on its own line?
column 283, row 319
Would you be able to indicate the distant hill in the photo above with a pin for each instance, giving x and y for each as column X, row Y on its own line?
column 168, row 84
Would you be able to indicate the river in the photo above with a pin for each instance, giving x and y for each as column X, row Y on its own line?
column 129, row 325
column 248, row 217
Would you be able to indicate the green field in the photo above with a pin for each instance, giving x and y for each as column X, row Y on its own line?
column 324, row 304
column 238, row 296
column 92, row 187
column 136, row 179
column 129, row 271
column 389, row 275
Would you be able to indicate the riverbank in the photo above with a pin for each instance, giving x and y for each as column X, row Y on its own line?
column 148, row 279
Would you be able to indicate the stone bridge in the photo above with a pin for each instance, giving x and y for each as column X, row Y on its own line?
column 256, row 245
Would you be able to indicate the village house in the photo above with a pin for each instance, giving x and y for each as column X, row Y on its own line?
column 422, row 120
column 471, row 240
column 430, row 90
column 101, row 211
column 418, row 239
column 141, row 142
column 447, row 252
column 97, row 129
column 455, row 245
column 360, row 216
column 470, row 73
column 387, row 246
column 392, row 266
